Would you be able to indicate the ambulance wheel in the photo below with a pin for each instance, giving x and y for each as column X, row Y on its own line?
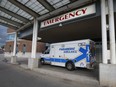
column 42, row 62
column 70, row 66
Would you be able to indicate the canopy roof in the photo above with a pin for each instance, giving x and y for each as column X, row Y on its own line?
column 19, row 13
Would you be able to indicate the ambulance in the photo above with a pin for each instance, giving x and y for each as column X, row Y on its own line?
column 71, row 54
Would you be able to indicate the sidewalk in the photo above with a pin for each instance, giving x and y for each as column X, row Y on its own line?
column 67, row 76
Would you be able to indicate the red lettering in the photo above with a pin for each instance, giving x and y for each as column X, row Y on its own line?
column 44, row 22
column 78, row 12
column 52, row 21
column 61, row 18
column 84, row 10
column 48, row 21
column 66, row 16
column 72, row 14
column 56, row 19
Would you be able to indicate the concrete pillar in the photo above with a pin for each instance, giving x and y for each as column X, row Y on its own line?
column 33, row 61
column 104, row 32
column 13, row 58
column 107, row 75
column 107, row 72
column 112, row 32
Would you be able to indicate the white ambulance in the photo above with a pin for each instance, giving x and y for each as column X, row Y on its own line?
column 71, row 54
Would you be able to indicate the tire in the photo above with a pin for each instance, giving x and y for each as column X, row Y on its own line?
column 70, row 66
column 42, row 62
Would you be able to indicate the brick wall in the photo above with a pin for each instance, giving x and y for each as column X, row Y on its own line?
column 40, row 46
column 9, row 30
column 10, row 44
column 7, row 46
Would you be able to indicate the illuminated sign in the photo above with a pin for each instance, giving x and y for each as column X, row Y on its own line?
column 69, row 16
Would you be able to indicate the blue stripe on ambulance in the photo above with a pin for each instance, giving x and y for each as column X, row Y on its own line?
column 55, row 60
column 85, row 54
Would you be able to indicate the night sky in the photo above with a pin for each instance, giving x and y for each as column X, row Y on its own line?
column 3, row 34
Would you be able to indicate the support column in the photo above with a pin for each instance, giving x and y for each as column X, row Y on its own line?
column 104, row 32
column 33, row 61
column 107, row 72
column 112, row 32
column 13, row 58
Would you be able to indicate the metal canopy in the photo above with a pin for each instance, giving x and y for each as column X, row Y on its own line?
column 20, row 13
column 13, row 14
column 8, row 25
column 11, row 21
column 29, row 11
column 46, row 5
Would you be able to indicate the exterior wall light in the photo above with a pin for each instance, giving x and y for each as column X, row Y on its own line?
column 60, row 25
column 39, row 38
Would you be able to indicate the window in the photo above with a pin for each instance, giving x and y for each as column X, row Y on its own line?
column 63, row 45
column 47, row 51
column 10, row 48
column 10, row 37
column 24, row 49
column 17, row 49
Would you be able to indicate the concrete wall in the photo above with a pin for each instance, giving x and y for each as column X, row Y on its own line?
column 107, row 75
column 9, row 30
